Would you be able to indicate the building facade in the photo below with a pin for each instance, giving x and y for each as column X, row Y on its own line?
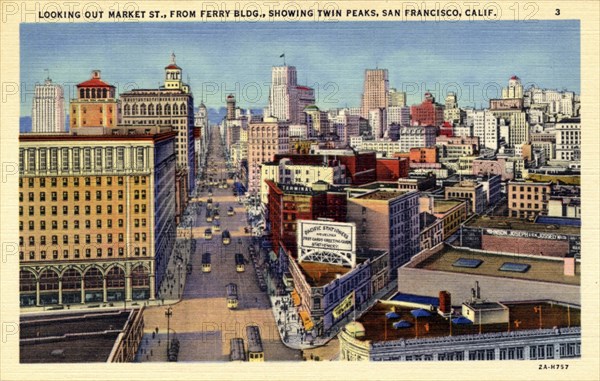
column 96, row 104
column 388, row 220
column 96, row 215
column 375, row 91
column 48, row 110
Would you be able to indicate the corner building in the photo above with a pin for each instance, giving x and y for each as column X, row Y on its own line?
column 96, row 215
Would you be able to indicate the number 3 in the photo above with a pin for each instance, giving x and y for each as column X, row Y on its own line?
column 557, row 12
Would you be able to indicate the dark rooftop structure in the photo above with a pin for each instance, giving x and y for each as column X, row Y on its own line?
column 71, row 337
column 509, row 223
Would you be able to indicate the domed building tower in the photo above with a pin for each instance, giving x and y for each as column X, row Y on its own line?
column 95, row 105
column 514, row 89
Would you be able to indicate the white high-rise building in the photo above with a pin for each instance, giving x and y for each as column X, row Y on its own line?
column 48, row 111
column 485, row 126
column 514, row 89
column 398, row 115
column 378, row 122
column 287, row 100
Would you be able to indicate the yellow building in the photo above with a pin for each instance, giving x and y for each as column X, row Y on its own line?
column 95, row 105
column 96, row 214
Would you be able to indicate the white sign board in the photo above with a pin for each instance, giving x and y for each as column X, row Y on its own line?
column 336, row 236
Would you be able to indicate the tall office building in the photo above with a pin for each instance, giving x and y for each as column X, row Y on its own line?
column 514, row 89
column 96, row 104
column 96, row 214
column 287, row 100
column 397, row 98
column 265, row 139
column 376, row 91
column 486, row 128
column 48, row 111
column 170, row 105
column 428, row 113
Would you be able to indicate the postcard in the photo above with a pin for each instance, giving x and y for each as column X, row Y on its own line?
column 283, row 190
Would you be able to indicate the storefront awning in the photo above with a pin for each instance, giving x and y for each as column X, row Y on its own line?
column 308, row 324
column 296, row 298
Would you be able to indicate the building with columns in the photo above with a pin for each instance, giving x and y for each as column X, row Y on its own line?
column 48, row 110
column 96, row 214
column 170, row 105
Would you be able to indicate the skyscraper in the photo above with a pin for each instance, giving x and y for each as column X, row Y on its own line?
column 170, row 105
column 376, row 91
column 48, row 111
column 287, row 100
column 514, row 89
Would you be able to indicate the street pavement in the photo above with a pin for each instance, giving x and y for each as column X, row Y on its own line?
column 200, row 319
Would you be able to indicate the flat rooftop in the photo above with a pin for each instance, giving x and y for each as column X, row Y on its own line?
column 379, row 328
column 540, row 269
column 321, row 274
column 442, row 206
column 520, row 224
column 381, row 195
column 71, row 337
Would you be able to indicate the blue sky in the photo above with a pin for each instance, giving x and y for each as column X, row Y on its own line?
column 473, row 58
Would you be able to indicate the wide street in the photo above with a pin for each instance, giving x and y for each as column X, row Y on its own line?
column 201, row 321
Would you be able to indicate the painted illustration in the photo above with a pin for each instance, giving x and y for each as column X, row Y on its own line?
column 348, row 191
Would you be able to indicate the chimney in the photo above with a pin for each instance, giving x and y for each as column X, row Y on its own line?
column 569, row 267
column 445, row 302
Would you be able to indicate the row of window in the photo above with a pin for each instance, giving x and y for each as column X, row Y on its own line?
column 103, row 158
column 522, row 189
column 76, row 180
column 137, row 195
column 529, row 206
column 155, row 110
column 137, row 251
column 137, row 208
column 88, row 239
column 137, row 222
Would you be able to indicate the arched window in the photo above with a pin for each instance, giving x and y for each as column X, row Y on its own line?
column 143, row 109
column 139, row 277
column 150, row 109
column 81, row 93
column 167, row 109
column 115, row 278
column 48, row 280
column 104, row 93
column 127, row 110
column 182, row 109
column 93, row 279
column 158, row 109
column 26, row 281
column 93, row 93
column 134, row 110
column 175, row 110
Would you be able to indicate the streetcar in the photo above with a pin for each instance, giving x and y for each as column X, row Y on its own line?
column 255, row 348
column 208, row 234
column 209, row 215
column 237, row 351
column 232, row 296
column 239, row 263
column 230, row 211
column 226, row 237
column 206, row 262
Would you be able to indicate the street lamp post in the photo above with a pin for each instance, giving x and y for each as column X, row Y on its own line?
column 168, row 314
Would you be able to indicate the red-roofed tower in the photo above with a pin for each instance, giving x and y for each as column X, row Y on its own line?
column 95, row 105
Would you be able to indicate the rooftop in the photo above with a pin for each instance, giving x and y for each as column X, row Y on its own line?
column 379, row 328
column 321, row 274
column 70, row 338
column 381, row 195
column 541, row 269
column 499, row 222
column 442, row 206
